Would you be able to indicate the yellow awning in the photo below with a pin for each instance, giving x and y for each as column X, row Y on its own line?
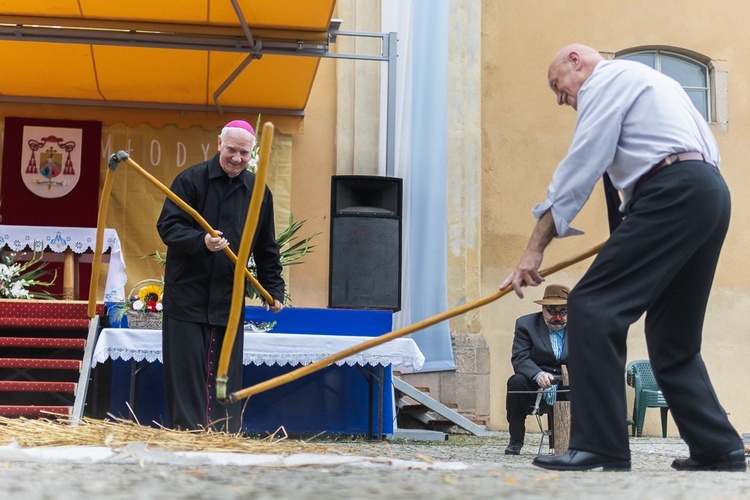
column 166, row 54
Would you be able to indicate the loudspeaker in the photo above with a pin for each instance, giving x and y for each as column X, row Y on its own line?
column 365, row 257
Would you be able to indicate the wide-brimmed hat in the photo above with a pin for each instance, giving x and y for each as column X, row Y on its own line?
column 555, row 295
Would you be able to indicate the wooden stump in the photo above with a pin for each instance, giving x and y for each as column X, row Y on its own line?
column 561, row 426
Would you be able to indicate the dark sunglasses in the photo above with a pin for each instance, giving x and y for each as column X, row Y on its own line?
column 556, row 310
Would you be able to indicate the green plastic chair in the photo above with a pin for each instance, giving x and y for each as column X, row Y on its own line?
column 640, row 376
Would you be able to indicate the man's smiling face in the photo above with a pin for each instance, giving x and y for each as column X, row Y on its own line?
column 565, row 79
column 235, row 150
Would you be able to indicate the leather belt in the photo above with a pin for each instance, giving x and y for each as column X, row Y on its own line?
column 671, row 160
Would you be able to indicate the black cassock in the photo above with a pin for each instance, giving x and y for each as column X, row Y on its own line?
column 198, row 289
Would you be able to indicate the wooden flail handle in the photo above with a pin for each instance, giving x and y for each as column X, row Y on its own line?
column 329, row 360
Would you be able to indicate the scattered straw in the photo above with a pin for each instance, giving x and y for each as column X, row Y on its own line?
column 118, row 433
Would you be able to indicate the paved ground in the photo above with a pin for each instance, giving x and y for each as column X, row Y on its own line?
column 462, row 467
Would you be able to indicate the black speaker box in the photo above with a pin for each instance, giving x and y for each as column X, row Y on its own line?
column 365, row 258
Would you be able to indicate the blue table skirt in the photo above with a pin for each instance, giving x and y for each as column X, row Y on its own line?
column 333, row 400
column 336, row 399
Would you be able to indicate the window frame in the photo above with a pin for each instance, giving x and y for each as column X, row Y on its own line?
column 707, row 68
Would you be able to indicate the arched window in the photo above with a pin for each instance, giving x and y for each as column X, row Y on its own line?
column 691, row 74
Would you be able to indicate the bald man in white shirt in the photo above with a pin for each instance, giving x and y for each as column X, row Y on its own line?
column 640, row 127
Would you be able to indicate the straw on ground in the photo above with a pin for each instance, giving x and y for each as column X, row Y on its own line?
column 119, row 433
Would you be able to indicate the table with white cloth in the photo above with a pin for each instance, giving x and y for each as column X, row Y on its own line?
column 70, row 244
column 353, row 396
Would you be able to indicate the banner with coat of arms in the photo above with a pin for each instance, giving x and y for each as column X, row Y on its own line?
column 50, row 172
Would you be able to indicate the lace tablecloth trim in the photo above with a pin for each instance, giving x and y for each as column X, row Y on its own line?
column 57, row 239
column 267, row 348
column 126, row 354
column 79, row 240
column 362, row 358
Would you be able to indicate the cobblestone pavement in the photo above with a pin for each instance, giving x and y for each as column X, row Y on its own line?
column 462, row 467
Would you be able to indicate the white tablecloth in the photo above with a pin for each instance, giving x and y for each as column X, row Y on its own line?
column 78, row 239
column 267, row 348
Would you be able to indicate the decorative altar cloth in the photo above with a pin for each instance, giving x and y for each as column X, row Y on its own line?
column 267, row 348
column 77, row 239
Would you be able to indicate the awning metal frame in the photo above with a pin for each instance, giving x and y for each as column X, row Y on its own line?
column 197, row 37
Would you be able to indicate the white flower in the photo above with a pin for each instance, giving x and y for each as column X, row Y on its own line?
column 18, row 291
column 159, row 307
column 252, row 165
column 5, row 272
column 138, row 305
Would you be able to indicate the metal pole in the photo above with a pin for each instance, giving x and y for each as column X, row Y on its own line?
column 390, row 141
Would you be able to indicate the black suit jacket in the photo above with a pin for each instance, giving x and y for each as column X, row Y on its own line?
column 532, row 348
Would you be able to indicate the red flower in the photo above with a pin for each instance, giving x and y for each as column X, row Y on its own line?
column 151, row 305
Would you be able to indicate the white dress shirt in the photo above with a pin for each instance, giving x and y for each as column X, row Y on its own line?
column 630, row 117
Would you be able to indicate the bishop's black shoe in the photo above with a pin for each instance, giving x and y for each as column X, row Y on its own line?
column 734, row 461
column 514, row 448
column 576, row 460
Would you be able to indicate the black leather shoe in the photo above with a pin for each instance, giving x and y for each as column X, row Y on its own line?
column 574, row 460
column 733, row 461
column 514, row 448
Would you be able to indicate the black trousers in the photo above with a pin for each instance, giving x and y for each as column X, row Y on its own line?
column 519, row 406
column 191, row 353
column 661, row 261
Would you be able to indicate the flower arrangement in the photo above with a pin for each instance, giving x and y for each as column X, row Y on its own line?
column 148, row 300
column 143, row 307
column 16, row 278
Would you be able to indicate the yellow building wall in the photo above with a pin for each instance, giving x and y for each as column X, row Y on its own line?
column 313, row 164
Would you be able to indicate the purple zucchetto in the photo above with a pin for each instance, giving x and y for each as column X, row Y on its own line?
column 240, row 124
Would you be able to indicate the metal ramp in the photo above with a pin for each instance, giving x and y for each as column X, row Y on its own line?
column 85, row 372
column 439, row 408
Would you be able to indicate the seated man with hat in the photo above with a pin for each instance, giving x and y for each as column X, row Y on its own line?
column 539, row 351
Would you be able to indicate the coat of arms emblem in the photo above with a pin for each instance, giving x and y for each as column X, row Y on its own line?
column 51, row 160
